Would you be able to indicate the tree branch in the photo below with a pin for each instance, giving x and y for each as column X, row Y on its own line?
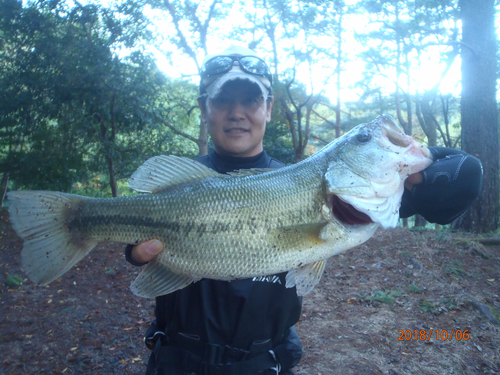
column 324, row 119
column 180, row 132
column 183, row 41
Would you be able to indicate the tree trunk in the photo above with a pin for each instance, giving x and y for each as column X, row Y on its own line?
column 111, row 145
column 405, row 222
column 112, row 177
column 419, row 221
column 479, row 108
column 3, row 187
column 427, row 117
column 339, row 70
column 203, row 139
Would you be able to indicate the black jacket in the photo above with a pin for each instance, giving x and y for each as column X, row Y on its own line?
column 253, row 315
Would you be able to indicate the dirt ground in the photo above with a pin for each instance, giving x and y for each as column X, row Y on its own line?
column 406, row 302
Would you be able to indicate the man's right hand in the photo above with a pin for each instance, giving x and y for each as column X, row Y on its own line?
column 146, row 251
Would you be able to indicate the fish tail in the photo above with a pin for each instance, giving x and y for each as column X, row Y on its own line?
column 41, row 219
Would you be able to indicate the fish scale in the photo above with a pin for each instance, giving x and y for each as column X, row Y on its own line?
column 247, row 224
column 154, row 216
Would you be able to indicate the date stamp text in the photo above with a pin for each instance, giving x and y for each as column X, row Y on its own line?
column 437, row 334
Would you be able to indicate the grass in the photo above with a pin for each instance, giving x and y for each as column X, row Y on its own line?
column 426, row 306
column 495, row 312
column 415, row 288
column 382, row 296
column 455, row 268
column 13, row 281
column 444, row 304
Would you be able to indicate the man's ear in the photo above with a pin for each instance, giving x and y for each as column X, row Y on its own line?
column 269, row 109
column 202, row 104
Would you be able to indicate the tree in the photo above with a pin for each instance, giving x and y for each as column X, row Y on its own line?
column 402, row 32
column 28, row 108
column 299, row 26
column 64, row 85
column 192, row 24
column 479, row 108
column 407, row 29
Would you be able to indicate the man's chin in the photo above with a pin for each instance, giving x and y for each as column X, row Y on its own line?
column 239, row 150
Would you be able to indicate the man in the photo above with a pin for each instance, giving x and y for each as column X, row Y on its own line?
column 246, row 326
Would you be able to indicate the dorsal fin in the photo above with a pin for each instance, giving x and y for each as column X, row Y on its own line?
column 250, row 172
column 162, row 171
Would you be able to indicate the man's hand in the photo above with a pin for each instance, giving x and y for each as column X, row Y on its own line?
column 146, row 251
column 413, row 179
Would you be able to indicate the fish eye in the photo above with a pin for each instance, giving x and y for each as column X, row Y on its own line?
column 363, row 137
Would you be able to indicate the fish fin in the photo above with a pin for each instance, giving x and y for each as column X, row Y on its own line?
column 157, row 280
column 40, row 219
column 160, row 172
column 303, row 236
column 306, row 277
column 250, row 172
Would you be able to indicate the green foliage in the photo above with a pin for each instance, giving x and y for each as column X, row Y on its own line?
column 445, row 304
column 455, row 268
column 426, row 306
column 415, row 288
column 71, row 108
column 13, row 281
column 383, row 296
column 277, row 142
column 81, row 98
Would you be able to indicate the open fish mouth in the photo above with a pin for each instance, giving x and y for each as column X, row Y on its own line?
column 347, row 214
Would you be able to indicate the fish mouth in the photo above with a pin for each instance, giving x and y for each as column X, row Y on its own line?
column 393, row 131
column 347, row 214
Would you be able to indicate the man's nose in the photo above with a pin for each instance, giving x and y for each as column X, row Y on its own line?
column 236, row 110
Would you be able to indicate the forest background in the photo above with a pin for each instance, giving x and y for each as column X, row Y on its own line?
column 83, row 102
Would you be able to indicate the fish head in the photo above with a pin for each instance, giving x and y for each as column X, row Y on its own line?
column 366, row 171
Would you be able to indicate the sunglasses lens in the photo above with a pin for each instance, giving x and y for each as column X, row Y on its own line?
column 217, row 65
column 223, row 64
column 254, row 65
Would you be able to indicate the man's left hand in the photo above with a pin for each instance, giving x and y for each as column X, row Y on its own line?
column 413, row 179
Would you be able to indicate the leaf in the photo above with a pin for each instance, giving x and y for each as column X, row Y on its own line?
column 13, row 281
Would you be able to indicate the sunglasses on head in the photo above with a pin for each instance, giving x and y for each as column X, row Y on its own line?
column 223, row 64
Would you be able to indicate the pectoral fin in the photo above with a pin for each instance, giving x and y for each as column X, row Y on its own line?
column 157, row 280
column 303, row 236
column 306, row 277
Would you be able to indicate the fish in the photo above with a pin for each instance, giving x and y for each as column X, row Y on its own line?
column 245, row 224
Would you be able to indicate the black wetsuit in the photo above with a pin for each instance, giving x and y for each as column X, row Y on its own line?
column 212, row 323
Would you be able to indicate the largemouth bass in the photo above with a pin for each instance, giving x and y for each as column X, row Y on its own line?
column 250, row 223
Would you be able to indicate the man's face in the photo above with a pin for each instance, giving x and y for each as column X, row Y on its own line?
column 237, row 119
